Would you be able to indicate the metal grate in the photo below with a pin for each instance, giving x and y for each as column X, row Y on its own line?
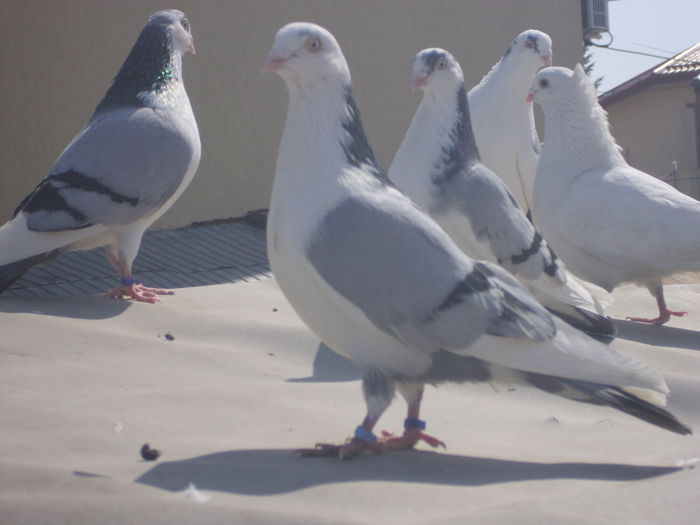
column 198, row 255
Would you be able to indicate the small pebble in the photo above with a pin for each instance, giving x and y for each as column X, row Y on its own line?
column 274, row 309
column 170, row 337
column 148, row 453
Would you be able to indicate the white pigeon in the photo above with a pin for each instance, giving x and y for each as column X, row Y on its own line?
column 438, row 167
column 126, row 167
column 503, row 122
column 608, row 221
column 380, row 282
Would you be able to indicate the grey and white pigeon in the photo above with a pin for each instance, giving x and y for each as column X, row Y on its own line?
column 504, row 124
column 126, row 167
column 438, row 167
column 381, row 283
column 609, row 222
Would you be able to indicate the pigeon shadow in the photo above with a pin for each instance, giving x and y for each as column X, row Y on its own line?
column 658, row 335
column 91, row 307
column 330, row 367
column 274, row 471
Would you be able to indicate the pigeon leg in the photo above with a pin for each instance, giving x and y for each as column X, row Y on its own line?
column 129, row 287
column 379, row 391
column 413, row 426
column 664, row 313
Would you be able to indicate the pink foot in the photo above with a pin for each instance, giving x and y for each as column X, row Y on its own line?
column 410, row 437
column 138, row 292
column 658, row 321
column 353, row 447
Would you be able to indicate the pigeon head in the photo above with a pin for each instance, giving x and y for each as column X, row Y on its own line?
column 435, row 69
column 153, row 69
column 570, row 105
column 177, row 28
column 553, row 84
column 532, row 48
column 307, row 55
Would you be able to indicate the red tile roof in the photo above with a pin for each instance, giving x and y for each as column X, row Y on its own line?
column 684, row 66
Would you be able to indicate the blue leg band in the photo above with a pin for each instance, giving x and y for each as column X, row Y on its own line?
column 365, row 435
column 413, row 422
column 128, row 281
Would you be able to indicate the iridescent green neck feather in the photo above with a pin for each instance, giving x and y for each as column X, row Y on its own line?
column 150, row 67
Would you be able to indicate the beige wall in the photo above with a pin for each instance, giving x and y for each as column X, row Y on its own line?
column 655, row 127
column 57, row 58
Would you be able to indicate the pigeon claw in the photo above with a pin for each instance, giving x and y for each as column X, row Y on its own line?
column 138, row 292
column 658, row 321
column 409, row 439
column 352, row 448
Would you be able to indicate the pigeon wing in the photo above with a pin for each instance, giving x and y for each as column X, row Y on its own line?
column 122, row 167
column 402, row 271
column 495, row 217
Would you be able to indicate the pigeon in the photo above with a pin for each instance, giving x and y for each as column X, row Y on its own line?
column 438, row 167
column 503, row 122
column 381, row 283
column 609, row 222
column 124, row 169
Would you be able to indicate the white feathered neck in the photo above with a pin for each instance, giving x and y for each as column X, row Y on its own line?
column 435, row 140
column 577, row 127
column 507, row 81
column 323, row 154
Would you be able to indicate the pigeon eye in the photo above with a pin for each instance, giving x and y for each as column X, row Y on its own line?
column 529, row 44
column 442, row 64
column 544, row 82
column 313, row 44
column 185, row 24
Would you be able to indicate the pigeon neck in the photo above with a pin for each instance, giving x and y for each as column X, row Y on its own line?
column 327, row 122
column 507, row 83
column 579, row 130
column 323, row 157
column 458, row 147
column 150, row 72
column 438, row 145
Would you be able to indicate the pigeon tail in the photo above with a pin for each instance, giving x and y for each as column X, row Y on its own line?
column 642, row 403
column 593, row 324
column 632, row 404
column 9, row 273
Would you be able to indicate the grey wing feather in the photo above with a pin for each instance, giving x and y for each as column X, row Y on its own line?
column 121, row 167
column 410, row 280
column 495, row 216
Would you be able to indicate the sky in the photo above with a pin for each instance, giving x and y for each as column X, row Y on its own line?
column 669, row 26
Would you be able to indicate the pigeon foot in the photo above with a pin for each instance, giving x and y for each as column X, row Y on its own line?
column 138, row 292
column 408, row 440
column 352, row 448
column 658, row 321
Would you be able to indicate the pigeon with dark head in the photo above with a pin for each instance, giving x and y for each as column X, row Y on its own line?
column 126, row 167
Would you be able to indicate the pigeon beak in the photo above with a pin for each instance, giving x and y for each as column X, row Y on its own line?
column 547, row 59
column 530, row 97
column 418, row 82
column 274, row 62
column 191, row 49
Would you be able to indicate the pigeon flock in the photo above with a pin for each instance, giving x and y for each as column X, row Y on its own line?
column 480, row 256
column 438, row 167
column 380, row 282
